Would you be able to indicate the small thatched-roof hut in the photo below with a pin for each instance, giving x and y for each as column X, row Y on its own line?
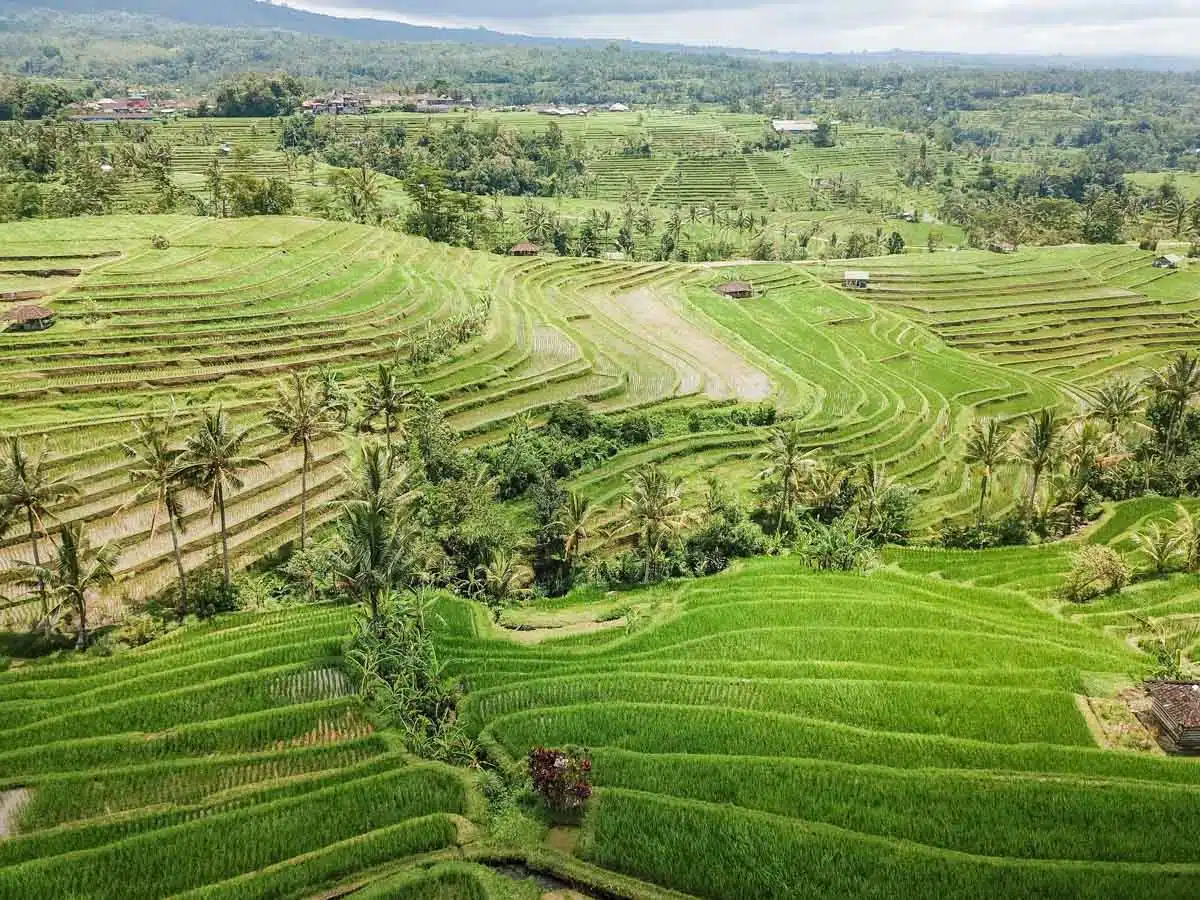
column 1177, row 709
column 736, row 289
column 30, row 318
column 525, row 248
column 1170, row 261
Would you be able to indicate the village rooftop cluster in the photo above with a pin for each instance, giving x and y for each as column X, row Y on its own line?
column 137, row 106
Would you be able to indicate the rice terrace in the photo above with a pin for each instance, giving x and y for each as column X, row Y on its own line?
column 440, row 463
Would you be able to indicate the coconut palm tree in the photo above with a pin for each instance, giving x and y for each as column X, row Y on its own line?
column 213, row 462
column 987, row 448
column 155, row 470
column 78, row 571
column 1178, row 384
column 1115, row 403
column 505, row 580
column 828, row 490
column 377, row 482
column 653, row 509
column 300, row 415
column 1159, row 545
column 28, row 489
column 1038, row 446
column 1176, row 209
column 574, row 520
column 874, row 485
column 1084, row 448
column 371, row 555
column 335, row 396
column 387, row 397
column 788, row 464
column 1187, row 530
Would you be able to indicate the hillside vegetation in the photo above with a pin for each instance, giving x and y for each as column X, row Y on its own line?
column 894, row 374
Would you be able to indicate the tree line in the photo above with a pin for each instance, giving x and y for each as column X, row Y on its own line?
column 1133, row 438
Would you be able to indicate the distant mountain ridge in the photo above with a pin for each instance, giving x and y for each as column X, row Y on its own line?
column 254, row 14
column 261, row 14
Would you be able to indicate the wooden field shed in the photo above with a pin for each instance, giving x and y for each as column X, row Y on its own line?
column 737, row 290
column 525, row 248
column 1176, row 709
column 1002, row 247
column 29, row 318
column 856, row 280
column 1170, row 261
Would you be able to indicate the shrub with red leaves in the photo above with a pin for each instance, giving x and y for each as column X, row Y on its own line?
column 562, row 778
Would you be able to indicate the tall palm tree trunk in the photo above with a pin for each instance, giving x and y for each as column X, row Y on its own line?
column 181, row 610
column 1176, row 420
column 651, row 549
column 387, row 436
column 224, row 536
column 81, row 637
column 304, row 497
column 983, row 492
column 37, row 563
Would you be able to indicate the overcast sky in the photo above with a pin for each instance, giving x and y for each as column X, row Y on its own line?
column 1073, row 27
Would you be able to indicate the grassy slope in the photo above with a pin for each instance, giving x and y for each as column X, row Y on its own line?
column 883, row 735
column 202, row 749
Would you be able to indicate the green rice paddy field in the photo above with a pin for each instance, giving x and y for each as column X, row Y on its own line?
column 770, row 732
column 940, row 727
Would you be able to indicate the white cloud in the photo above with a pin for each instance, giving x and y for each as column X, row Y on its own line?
column 1074, row 27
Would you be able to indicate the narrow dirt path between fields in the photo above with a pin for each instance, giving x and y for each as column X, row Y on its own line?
column 703, row 362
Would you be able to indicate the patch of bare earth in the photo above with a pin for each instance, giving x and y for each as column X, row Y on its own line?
column 350, row 727
column 11, row 804
column 703, row 362
column 1115, row 723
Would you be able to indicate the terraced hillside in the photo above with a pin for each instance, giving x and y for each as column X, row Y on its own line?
column 1076, row 313
column 1165, row 605
column 761, row 733
column 775, row 731
column 695, row 159
column 231, row 759
column 234, row 305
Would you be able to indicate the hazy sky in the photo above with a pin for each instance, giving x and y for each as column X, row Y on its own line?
column 1073, row 27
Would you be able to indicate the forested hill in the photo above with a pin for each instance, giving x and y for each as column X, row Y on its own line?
column 255, row 14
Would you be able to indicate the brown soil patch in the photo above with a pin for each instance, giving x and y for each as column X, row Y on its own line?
column 350, row 728
column 11, row 804
column 1115, row 723
column 563, row 837
column 702, row 362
